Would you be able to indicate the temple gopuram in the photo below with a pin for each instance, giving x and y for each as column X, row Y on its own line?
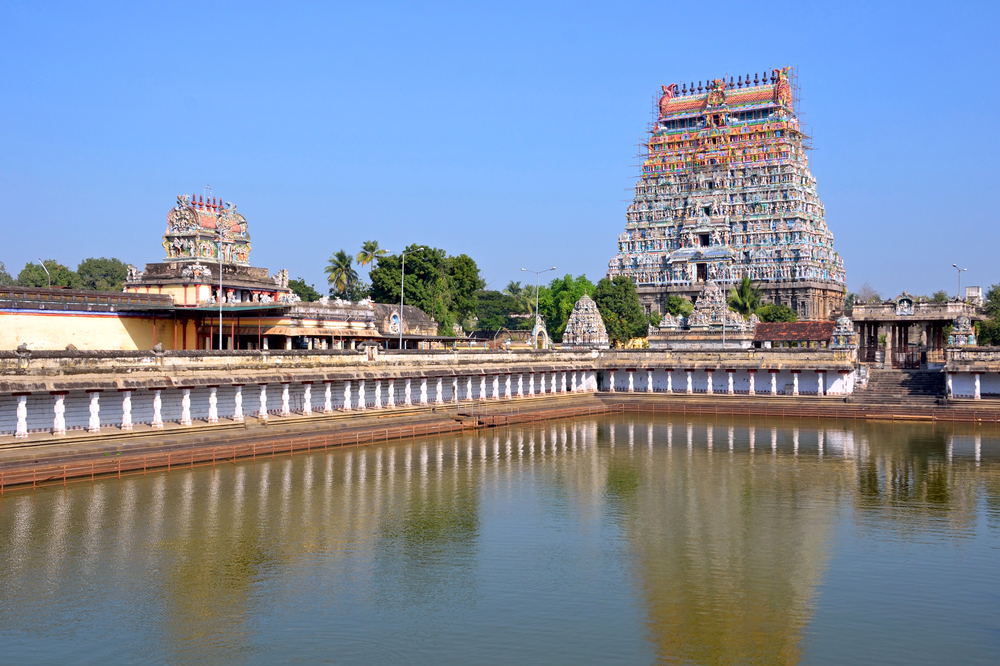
column 726, row 192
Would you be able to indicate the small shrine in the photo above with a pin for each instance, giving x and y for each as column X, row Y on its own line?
column 711, row 324
column 962, row 333
column 585, row 328
column 844, row 336
column 203, row 238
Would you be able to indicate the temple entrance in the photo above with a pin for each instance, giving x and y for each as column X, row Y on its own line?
column 702, row 272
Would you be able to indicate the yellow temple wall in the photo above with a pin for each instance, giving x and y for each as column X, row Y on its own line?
column 86, row 331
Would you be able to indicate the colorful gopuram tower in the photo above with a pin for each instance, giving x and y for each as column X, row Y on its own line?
column 725, row 192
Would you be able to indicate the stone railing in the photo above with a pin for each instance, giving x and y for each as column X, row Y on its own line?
column 972, row 359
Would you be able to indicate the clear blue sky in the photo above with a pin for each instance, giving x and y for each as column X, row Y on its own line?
column 507, row 131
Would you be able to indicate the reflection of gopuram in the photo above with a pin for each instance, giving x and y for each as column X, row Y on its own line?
column 726, row 192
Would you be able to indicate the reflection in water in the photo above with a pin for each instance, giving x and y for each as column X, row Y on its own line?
column 619, row 539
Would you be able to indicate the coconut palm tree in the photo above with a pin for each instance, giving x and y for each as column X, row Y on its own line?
column 523, row 295
column 744, row 297
column 370, row 251
column 340, row 273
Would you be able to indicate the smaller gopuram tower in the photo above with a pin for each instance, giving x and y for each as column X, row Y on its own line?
column 726, row 192
column 202, row 237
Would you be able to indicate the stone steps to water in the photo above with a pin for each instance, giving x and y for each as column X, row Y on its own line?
column 905, row 388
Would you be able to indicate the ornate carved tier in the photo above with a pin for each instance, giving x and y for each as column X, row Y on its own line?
column 199, row 230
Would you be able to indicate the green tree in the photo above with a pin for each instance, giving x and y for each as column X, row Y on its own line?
column 655, row 318
column 442, row 286
column 556, row 301
column 618, row 302
column 744, row 297
column 33, row 275
column 358, row 291
column 940, row 296
column 370, row 251
column 5, row 277
column 679, row 306
column 340, row 273
column 102, row 274
column 493, row 310
column 307, row 292
column 773, row 313
column 988, row 330
column 524, row 296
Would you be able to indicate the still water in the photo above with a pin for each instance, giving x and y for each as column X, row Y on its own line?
column 609, row 540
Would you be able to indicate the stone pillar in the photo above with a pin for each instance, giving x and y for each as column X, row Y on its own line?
column 690, row 384
column 670, row 380
column 468, row 388
column 262, row 414
column 709, row 389
column 285, row 406
column 520, row 385
column 820, row 382
column 22, row 416
column 564, row 373
column 213, row 404
column 238, row 403
column 795, row 382
column 327, row 397
column 555, row 381
column 307, row 398
column 347, row 395
column 406, row 394
column 362, row 396
column 392, row 393
column 454, row 389
column 439, row 388
column 631, row 381
column 731, row 390
column 753, row 374
column 951, row 393
column 157, row 410
column 482, row 388
column 506, row 387
column 572, row 382
column 531, row 384
column 975, row 396
column 541, row 383
column 649, row 381
column 496, row 387
column 774, row 382
column 126, row 411
column 611, row 381
column 423, row 390
column 185, row 406
column 94, row 425
column 59, row 413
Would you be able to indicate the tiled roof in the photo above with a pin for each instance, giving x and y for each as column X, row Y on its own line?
column 799, row 331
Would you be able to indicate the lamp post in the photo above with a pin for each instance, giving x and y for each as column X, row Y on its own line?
column 534, row 341
column 223, row 239
column 47, row 274
column 955, row 266
column 402, row 285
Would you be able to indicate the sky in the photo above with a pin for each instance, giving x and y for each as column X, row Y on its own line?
column 506, row 131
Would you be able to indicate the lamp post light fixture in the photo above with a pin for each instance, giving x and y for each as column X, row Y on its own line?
column 955, row 266
column 534, row 341
column 47, row 274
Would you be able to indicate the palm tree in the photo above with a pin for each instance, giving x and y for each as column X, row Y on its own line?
column 340, row 273
column 523, row 295
column 370, row 251
column 744, row 297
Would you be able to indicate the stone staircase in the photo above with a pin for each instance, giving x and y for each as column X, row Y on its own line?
column 901, row 388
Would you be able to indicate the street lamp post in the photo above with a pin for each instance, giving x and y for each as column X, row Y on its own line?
column 223, row 239
column 955, row 266
column 47, row 274
column 402, row 285
column 534, row 341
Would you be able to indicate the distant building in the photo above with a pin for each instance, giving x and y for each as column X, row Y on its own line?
column 726, row 192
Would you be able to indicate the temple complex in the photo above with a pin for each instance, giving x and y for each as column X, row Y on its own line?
column 726, row 192
column 585, row 328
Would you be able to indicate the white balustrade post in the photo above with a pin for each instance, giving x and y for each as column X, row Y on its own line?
column 611, row 381
column 362, row 399
column 157, row 409
column 238, row 403
column 820, row 382
column 553, row 384
column 482, row 388
column 94, row 425
column 951, row 393
column 709, row 389
column 185, row 406
column 307, row 398
column 439, row 398
column 572, row 382
column 59, row 414
column 795, row 382
column 378, row 394
column 262, row 413
column 423, row 390
column 285, row 406
column 22, row 416
column 506, row 387
column 392, row 393
column 347, row 395
column 407, row 401
column 649, row 381
column 977, row 395
column 496, row 387
column 753, row 375
column 774, row 383
column 531, row 384
column 213, row 404
column 327, row 397
column 468, row 388
column 631, row 381
column 731, row 389
column 690, row 383
column 454, row 389
column 670, row 380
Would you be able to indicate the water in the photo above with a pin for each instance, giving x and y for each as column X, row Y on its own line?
column 610, row 540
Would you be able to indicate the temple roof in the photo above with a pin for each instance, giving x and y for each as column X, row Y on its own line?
column 755, row 95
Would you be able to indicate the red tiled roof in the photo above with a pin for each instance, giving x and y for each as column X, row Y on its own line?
column 799, row 331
